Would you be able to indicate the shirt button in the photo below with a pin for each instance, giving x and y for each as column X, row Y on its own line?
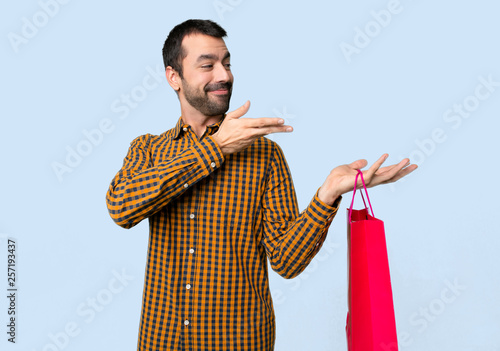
column 188, row 286
column 212, row 164
column 191, row 251
column 185, row 129
column 186, row 322
column 186, row 185
column 191, row 215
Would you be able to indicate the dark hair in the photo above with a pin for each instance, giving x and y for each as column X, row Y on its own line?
column 173, row 53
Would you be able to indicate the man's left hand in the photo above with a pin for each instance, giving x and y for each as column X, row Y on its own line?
column 341, row 179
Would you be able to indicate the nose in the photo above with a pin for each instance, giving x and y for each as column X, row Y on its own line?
column 222, row 73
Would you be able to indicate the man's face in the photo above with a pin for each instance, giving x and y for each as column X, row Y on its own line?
column 208, row 81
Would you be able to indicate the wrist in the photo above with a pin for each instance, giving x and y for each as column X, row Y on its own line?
column 328, row 197
column 219, row 143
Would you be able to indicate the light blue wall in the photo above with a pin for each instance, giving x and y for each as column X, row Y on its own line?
column 355, row 79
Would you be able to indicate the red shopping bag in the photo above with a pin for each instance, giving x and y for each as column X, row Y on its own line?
column 371, row 324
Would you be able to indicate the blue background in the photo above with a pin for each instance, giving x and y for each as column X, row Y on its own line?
column 67, row 67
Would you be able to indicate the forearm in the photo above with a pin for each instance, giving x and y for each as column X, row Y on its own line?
column 140, row 189
column 295, row 244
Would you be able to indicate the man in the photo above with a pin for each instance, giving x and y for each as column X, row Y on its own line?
column 220, row 202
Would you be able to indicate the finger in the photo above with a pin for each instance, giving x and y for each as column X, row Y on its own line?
column 240, row 111
column 392, row 169
column 265, row 122
column 271, row 130
column 371, row 171
column 401, row 165
column 384, row 170
column 402, row 173
column 358, row 164
column 385, row 174
column 392, row 173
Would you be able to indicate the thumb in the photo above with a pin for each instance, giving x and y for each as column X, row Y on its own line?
column 240, row 111
column 359, row 164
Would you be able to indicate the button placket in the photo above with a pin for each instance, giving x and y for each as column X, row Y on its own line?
column 191, row 250
column 190, row 259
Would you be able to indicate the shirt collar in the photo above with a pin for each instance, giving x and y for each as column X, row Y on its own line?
column 211, row 129
column 178, row 128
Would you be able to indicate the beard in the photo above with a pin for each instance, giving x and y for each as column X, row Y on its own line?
column 208, row 105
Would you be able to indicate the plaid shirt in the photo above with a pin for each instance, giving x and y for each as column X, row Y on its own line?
column 213, row 220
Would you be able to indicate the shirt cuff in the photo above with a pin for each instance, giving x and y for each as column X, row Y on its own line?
column 320, row 212
column 209, row 154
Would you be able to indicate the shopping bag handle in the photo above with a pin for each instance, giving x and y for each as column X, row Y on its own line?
column 361, row 191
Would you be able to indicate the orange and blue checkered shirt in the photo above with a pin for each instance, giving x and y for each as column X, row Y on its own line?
column 214, row 220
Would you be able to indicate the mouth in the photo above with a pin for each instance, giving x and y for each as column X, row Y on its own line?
column 219, row 92
column 219, row 89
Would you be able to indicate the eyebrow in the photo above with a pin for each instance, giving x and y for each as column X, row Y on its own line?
column 212, row 57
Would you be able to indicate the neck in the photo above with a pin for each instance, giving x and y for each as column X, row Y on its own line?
column 197, row 120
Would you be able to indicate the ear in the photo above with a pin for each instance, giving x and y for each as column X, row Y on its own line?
column 173, row 78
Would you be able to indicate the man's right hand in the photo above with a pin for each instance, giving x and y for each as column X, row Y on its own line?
column 236, row 134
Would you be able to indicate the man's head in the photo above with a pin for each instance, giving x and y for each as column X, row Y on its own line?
column 197, row 66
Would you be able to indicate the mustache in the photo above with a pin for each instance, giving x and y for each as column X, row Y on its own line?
column 217, row 86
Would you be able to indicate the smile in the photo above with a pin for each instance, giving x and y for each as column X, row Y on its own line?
column 219, row 92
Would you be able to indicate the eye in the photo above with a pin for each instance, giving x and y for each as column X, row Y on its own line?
column 207, row 66
column 227, row 65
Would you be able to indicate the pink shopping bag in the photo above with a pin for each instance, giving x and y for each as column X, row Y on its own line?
column 371, row 324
